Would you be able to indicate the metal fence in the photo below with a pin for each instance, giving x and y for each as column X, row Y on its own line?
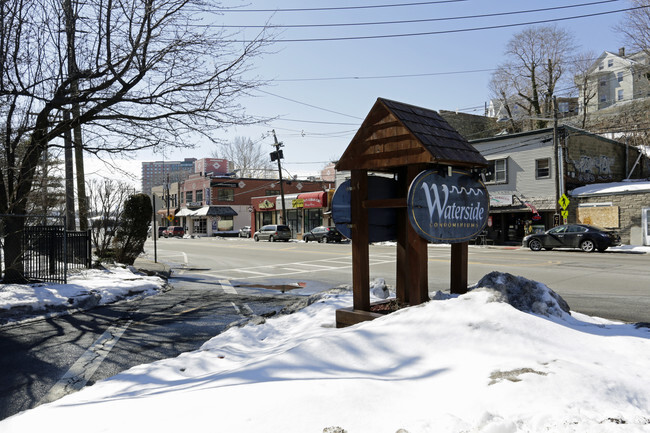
column 50, row 251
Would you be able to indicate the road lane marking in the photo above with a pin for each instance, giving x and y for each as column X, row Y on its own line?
column 253, row 272
column 81, row 371
column 247, row 311
column 227, row 287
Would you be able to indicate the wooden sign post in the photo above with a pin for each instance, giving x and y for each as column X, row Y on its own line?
column 402, row 141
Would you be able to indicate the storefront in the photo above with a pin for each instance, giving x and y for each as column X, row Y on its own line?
column 303, row 211
column 207, row 220
column 512, row 217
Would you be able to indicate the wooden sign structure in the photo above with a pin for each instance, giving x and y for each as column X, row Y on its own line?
column 404, row 140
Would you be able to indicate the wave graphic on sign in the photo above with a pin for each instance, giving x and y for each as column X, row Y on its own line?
column 470, row 191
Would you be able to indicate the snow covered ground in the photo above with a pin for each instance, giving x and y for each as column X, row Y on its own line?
column 86, row 288
column 470, row 363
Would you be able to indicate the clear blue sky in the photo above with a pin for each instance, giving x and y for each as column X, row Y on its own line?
column 321, row 109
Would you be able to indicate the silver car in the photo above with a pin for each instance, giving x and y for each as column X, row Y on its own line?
column 272, row 233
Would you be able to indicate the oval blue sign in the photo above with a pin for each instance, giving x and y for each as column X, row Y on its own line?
column 382, row 223
column 447, row 209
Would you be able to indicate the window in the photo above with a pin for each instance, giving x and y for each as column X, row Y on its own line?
column 188, row 196
column 603, row 98
column 610, row 63
column 619, row 94
column 497, row 171
column 543, row 168
column 619, row 77
column 199, row 195
column 225, row 194
column 601, row 66
column 603, row 82
column 272, row 192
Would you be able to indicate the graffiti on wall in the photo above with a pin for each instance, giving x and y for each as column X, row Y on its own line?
column 592, row 168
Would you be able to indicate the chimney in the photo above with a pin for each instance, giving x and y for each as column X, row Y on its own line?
column 621, row 52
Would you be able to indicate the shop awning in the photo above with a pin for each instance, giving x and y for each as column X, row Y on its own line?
column 314, row 199
column 172, row 212
column 215, row 211
column 185, row 212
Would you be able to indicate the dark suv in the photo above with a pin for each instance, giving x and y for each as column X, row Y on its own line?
column 174, row 231
column 273, row 232
column 323, row 234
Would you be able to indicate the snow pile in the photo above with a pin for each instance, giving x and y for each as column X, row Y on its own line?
column 459, row 364
column 525, row 295
column 86, row 288
column 378, row 289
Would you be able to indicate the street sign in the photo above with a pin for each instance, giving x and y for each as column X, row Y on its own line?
column 565, row 214
column 170, row 218
column 564, row 201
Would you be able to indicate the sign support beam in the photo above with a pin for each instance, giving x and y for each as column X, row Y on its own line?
column 459, row 261
column 360, row 249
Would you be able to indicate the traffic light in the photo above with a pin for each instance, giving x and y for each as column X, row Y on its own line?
column 277, row 155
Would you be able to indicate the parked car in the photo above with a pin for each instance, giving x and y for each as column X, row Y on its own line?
column 586, row 237
column 273, row 232
column 174, row 231
column 161, row 229
column 323, row 234
column 245, row 232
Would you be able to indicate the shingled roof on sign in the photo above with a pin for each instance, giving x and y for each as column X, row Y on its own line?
column 395, row 134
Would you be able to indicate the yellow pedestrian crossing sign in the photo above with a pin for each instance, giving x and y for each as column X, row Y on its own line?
column 565, row 214
column 564, row 201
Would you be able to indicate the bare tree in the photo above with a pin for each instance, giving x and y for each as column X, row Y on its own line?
column 145, row 74
column 588, row 89
column 106, row 199
column 635, row 27
column 248, row 157
column 502, row 91
column 537, row 58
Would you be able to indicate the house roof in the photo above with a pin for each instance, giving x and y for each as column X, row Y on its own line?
column 545, row 131
column 396, row 134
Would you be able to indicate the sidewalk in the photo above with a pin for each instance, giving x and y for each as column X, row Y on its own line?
column 150, row 267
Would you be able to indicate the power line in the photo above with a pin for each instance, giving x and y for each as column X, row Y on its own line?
column 309, row 105
column 443, row 32
column 376, row 77
column 340, row 8
column 415, row 21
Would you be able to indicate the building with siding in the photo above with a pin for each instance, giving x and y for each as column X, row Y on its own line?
column 615, row 78
column 527, row 176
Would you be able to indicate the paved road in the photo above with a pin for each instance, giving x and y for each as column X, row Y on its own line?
column 611, row 285
column 43, row 360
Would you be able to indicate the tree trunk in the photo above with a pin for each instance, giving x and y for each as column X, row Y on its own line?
column 69, row 177
column 14, row 268
column 81, row 178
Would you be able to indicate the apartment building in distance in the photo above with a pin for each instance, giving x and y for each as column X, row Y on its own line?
column 156, row 173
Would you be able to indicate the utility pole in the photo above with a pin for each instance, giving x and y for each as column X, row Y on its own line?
column 279, row 155
column 558, row 161
column 167, row 193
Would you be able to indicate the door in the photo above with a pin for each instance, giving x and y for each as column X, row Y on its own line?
column 555, row 237
column 573, row 236
column 645, row 218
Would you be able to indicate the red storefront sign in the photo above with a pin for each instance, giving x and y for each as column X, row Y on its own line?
column 313, row 199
